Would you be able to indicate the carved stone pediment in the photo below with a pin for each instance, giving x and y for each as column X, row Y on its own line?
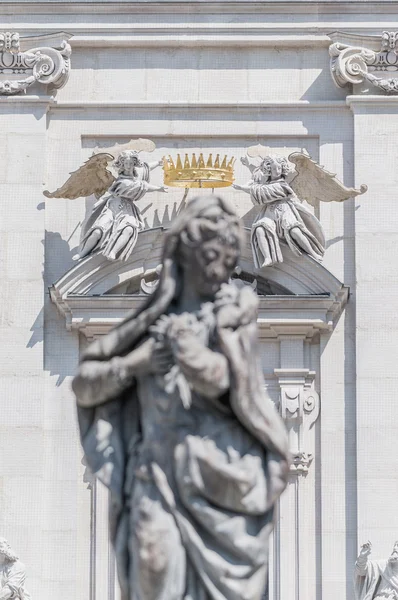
column 22, row 65
column 360, row 59
column 297, row 296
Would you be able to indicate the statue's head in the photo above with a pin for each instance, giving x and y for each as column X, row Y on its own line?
column 127, row 162
column 201, row 250
column 393, row 560
column 275, row 167
column 207, row 239
column 6, row 554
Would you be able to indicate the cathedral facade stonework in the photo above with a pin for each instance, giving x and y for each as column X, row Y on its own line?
column 115, row 93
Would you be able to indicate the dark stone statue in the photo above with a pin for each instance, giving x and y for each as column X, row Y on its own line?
column 175, row 421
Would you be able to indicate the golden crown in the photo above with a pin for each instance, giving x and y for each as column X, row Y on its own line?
column 197, row 173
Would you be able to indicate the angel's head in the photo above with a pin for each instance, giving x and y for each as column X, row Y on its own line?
column 127, row 162
column 275, row 167
column 6, row 554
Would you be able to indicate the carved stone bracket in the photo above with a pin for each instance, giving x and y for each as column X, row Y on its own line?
column 19, row 69
column 299, row 407
column 358, row 63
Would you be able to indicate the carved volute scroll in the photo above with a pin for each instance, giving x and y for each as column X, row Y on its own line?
column 370, row 59
column 20, row 69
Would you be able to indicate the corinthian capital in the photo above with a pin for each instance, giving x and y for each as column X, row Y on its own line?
column 365, row 59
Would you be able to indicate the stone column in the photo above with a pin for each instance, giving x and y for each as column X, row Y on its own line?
column 294, row 575
column 376, row 254
column 22, row 382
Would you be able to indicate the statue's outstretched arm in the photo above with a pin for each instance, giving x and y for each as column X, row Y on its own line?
column 128, row 189
column 153, row 165
column 243, row 188
column 156, row 188
column 361, row 564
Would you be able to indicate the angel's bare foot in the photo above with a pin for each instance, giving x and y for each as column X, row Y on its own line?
column 267, row 263
column 76, row 257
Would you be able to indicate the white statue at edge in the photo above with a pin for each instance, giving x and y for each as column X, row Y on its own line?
column 376, row 579
column 12, row 574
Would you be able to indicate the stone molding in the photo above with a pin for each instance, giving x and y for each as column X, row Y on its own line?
column 20, row 69
column 371, row 60
column 317, row 300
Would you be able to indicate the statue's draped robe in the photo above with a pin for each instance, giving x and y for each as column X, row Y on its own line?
column 117, row 210
column 280, row 212
column 375, row 580
column 12, row 580
column 192, row 488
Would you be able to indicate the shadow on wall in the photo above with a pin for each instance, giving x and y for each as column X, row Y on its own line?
column 49, row 326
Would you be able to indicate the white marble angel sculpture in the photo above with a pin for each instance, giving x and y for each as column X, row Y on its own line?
column 113, row 226
column 282, row 216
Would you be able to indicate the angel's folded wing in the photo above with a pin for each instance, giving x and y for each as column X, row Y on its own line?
column 314, row 183
column 91, row 178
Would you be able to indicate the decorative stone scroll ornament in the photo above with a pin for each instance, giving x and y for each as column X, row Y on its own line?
column 376, row 579
column 115, row 221
column 356, row 64
column 175, row 420
column 282, row 216
column 21, row 69
column 299, row 408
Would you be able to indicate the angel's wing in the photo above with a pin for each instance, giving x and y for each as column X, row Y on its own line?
column 314, row 182
column 92, row 178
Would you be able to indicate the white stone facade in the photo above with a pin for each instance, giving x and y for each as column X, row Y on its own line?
column 201, row 76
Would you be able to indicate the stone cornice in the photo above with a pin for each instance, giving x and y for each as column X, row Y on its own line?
column 266, row 104
column 241, row 6
column 371, row 100
column 278, row 316
column 28, row 99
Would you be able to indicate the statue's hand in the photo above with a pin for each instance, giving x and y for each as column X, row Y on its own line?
column 151, row 357
column 163, row 189
column 236, row 186
column 245, row 161
column 161, row 162
column 366, row 549
column 162, row 359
